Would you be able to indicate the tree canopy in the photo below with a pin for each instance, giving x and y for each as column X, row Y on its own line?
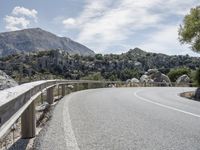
column 189, row 32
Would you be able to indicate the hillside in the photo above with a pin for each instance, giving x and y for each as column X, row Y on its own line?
column 36, row 39
column 55, row 63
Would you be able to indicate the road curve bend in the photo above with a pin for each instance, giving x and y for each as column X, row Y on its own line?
column 124, row 119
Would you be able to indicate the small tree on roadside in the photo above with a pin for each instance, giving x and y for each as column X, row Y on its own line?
column 189, row 32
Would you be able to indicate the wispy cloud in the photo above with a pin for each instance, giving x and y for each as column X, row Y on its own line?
column 20, row 18
column 69, row 22
column 104, row 23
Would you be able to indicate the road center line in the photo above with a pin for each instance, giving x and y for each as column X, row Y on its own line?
column 164, row 106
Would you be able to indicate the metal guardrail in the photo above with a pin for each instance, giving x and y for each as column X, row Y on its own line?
column 18, row 101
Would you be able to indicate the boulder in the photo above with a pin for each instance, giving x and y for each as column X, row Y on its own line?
column 152, row 71
column 153, row 75
column 70, row 86
column 138, row 65
column 144, row 78
column 134, row 80
column 6, row 81
column 165, row 79
column 43, row 107
column 183, row 80
column 128, row 80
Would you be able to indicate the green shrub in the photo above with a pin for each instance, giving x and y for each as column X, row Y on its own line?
column 94, row 76
column 174, row 74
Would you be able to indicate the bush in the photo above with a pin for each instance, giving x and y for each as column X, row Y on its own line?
column 99, row 56
column 94, row 76
column 174, row 74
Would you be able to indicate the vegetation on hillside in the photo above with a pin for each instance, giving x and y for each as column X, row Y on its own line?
column 58, row 64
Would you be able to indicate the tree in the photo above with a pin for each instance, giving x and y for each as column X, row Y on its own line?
column 189, row 32
column 99, row 56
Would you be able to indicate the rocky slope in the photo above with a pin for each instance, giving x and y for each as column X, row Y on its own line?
column 6, row 81
column 132, row 64
column 36, row 39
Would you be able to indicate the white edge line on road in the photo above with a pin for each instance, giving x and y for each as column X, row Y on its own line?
column 164, row 106
column 70, row 138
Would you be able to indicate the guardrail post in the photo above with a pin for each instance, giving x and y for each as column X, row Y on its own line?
column 50, row 95
column 28, row 122
column 63, row 90
column 89, row 85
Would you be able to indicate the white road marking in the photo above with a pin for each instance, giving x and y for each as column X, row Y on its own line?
column 70, row 138
column 165, row 106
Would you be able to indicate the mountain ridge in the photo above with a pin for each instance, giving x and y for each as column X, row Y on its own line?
column 37, row 39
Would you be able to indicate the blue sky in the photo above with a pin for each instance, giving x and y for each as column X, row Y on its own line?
column 105, row 26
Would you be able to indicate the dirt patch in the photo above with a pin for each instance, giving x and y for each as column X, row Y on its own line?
column 188, row 95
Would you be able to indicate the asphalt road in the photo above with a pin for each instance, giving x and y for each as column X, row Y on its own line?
column 124, row 119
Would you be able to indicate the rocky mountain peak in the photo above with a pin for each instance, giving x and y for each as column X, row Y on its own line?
column 136, row 51
column 37, row 39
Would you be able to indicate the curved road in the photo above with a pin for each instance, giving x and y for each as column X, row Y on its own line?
column 124, row 119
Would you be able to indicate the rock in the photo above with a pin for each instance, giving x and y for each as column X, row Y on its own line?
column 153, row 75
column 134, row 80
column 152, row 71
column 43, row 107
column 184, row 79
column 6, row 81
column 156, row 76
column 112, row 85
column 70, row 86
column 166, row 80
column 144, row 79
column 138, row 65
column 128, row 80
column 197, row 94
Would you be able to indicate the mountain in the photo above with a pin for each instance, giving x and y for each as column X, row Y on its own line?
column 36, row 39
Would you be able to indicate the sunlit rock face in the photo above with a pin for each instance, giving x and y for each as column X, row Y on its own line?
column 6, row 81
column 153, row 75
column 184, row 79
